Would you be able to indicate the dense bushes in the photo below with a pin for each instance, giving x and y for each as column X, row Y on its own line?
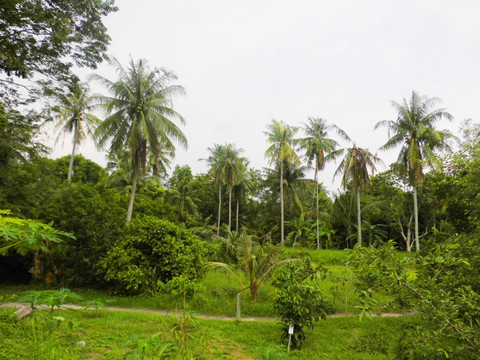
column 149, row 251
column 96, row 217
column 441, row 284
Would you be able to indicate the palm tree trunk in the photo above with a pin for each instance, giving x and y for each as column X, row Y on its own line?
column 415, row 212
column 132, row 196
column 359, row 220
column 281, row 204
column 70, row 166
column 316, row 196
column 219, row 207
column 230, row 208
column 238, row 210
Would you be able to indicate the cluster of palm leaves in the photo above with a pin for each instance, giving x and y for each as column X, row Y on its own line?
column 246, row 254
column 141, row 131
column 228, row 168
column 139, row 125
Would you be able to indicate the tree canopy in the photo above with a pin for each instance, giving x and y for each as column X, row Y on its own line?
column 49, row 37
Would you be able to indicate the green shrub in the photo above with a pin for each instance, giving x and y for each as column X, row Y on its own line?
column 96, row 217
column 149, row 252
column 51, row 298
column 298, row 302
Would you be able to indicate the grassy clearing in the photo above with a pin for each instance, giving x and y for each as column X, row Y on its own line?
column 220, row 290
column 113, row 335
column 320, row 256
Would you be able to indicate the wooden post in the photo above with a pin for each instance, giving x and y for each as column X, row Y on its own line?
column 290, row 333
column 239, row 306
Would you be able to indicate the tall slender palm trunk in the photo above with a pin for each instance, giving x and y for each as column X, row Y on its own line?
column 219, row 207
column 132, row 196
column 75, row 137
column 236, row 220
column 230, row 208
column 415, row 212
column 359, row 220
column 282, row 217
column 318, row 225
column 316, row 212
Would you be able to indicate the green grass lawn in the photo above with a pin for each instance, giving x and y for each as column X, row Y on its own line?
column 220, row 291
column 113, row 335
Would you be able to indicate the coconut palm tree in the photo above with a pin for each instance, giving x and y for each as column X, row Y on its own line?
column 140, row 117
column 226, row 166
column 216, row 153
column 120, row 170
column 414, row 130
column 71, row 111
column 281, row 136
column 319, row 149
column 355, row 168
column 295, row 183
column 182, row 193
column 244, row 184
column 342, row 214
column 258, row 263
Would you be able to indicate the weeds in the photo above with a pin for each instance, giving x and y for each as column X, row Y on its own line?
column 50, row 298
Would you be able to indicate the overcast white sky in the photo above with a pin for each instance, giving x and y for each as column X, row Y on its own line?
column 246, row 62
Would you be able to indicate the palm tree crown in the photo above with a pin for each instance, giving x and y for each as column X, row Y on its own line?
column 71, row 111
column 140, row 116
column 227, row 167
column 319, row 149
column 355, row 168
column 281, row 136
column 414, row 130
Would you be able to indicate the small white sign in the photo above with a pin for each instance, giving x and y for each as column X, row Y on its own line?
column 290, row 329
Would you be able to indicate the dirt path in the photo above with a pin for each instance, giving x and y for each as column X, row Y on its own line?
column 22, row 308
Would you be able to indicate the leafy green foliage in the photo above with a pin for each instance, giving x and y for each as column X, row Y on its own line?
column 298, row 302
column 149, row 251
column 16, row 138
column 303, row 231
column 50, row 298
column 95, row 215
column 274, row 352
column 153, row 347
column 25, row 186
column 153, row 200
column 440, row 285
column 39, row 37
column 228, row 246
column 84, row 170
column 27, row 235
column 181, row 287
column 180, row 191
column 373, row 342
column 255, row 261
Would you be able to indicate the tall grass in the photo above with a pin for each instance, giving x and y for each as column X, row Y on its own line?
column 113, row 335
